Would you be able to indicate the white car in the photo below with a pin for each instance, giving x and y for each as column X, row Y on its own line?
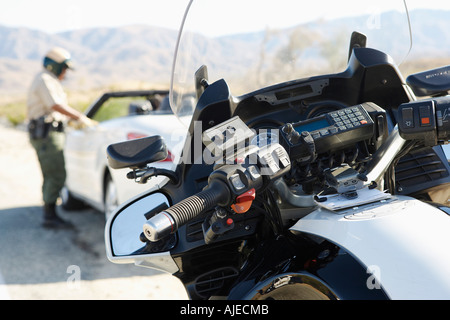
column 121, row 116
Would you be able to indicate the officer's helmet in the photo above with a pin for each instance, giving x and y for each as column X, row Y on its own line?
column 56, row 60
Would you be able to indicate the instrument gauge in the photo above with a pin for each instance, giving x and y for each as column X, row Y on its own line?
column 265, row 137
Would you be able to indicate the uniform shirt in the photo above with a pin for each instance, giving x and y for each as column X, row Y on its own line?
column 45, row 92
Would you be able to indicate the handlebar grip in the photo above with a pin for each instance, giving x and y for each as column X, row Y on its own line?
column 169, row 220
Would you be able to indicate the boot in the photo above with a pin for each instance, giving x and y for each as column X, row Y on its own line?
column 51, row 219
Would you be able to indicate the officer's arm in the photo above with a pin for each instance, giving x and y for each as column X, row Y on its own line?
column 73, row 114
column 68, row 111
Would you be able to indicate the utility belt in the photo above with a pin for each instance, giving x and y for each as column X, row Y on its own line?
column 40, row 128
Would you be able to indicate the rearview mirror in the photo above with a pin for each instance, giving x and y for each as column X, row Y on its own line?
column 136, row 153
column 123, row 231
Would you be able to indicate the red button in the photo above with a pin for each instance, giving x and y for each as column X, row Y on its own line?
column 244, row 201
column 425, row 120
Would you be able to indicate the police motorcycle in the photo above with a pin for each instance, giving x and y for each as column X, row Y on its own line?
column 333, row 186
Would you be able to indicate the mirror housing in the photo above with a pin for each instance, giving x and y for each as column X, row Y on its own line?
column 136, row 153
column 123, row 234
column 140, row 107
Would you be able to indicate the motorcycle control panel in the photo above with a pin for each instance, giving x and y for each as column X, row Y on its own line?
column 232, row 184
column 335, row 130
column 425, row 120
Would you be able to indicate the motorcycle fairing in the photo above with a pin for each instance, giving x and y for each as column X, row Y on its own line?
column 396, row 238
column 296, row 268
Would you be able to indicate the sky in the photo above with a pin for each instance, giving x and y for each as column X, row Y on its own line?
column 54, row 16
column 62, row 15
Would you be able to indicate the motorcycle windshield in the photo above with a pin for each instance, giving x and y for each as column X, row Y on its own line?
column 256, row 43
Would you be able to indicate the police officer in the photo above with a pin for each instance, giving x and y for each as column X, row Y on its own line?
column 48, row 108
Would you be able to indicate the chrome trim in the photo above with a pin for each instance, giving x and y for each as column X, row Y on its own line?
column 161, row 261
column 159, row 226
column 384, row 156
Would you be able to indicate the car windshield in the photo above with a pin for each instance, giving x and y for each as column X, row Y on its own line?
column 255, row 43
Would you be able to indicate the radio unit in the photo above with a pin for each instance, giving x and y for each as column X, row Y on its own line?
column 333, row 131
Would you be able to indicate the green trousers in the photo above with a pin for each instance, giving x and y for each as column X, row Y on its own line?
column 50, row 152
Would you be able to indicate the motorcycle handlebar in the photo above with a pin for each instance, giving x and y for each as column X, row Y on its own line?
column 168, row 221
column 425, row 120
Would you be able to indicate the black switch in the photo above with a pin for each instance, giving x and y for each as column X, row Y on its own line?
column 408, row 117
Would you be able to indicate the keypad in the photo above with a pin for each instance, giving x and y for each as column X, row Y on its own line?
column 348, row 118
column 342, row 120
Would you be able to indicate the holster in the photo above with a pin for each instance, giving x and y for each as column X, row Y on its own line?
column 39, row 128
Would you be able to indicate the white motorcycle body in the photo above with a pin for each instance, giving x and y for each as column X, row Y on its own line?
column 400, row 240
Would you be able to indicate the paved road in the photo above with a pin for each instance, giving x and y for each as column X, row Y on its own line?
column 40, row 264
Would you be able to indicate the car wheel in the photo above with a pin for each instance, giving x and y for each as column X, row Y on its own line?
column 69, row 202
column 111, row 201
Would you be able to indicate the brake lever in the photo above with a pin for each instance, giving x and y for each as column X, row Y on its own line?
column 141, row 176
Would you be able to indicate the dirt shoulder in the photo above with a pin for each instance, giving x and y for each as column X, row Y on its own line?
column 20, row 175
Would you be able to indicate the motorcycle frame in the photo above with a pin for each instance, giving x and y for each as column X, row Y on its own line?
column 371, row 76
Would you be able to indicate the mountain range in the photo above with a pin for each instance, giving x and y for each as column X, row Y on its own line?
column 102, row 56
column 105, row 56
